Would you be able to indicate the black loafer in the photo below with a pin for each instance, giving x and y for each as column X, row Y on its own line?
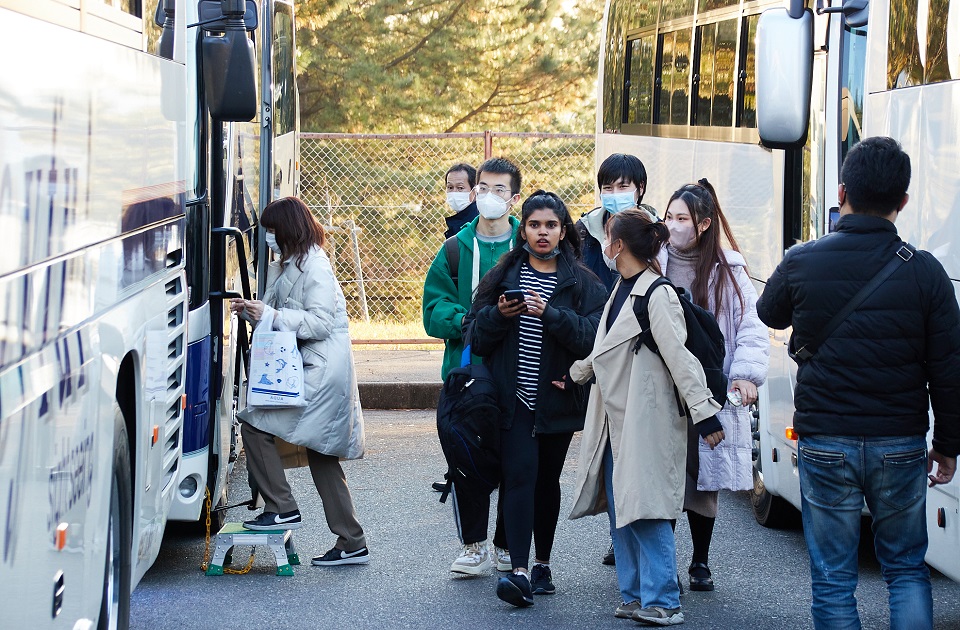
column 700, row 577
column 515, row 589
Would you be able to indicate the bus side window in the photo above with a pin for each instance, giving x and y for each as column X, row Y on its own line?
column 640, row 86
column 675, row 77
column 747, row 73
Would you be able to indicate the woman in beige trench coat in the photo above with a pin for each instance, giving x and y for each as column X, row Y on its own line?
column 633, row 452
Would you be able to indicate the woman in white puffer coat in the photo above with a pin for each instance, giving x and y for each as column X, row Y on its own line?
column 717, row 280
column 304, row 297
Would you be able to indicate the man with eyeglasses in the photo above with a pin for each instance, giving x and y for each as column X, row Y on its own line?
column 447, row 296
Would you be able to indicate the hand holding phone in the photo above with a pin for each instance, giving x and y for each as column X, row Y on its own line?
column 514, row 294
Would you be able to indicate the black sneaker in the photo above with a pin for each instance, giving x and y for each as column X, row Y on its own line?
column 515, row 589
column 336, row 557
column 609, row 558
column 272, row 521
column 541, row 580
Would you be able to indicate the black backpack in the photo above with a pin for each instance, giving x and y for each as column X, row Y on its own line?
column 704, row 338
column 468, row 423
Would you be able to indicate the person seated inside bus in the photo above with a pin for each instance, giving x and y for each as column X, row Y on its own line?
column 622, row 180
column 304, row 294
column 459, row 181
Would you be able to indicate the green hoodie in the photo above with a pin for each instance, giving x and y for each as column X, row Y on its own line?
column 444, row 303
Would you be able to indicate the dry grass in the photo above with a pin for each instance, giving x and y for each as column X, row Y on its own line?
column 390, row 331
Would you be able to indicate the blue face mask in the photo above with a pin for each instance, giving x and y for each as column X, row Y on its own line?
column 617, row 202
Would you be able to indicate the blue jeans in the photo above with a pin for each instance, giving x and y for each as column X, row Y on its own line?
column 837, row 473
column 646, row 553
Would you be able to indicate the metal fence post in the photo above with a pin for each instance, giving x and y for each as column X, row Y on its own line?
column 358, row 268
column 487, row 145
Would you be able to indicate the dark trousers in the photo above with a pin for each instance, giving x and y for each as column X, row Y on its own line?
column 471, row 509
column 531, row 466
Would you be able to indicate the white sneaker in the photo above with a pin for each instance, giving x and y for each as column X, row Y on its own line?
column 503, row 559
column 473, row 560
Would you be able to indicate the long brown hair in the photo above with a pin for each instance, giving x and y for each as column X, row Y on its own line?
column 296, row 228
column 701, row 200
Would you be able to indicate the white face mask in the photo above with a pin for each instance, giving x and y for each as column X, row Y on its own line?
column 616, row 202
column 611, row 263
column 458, row 200
column 271, row 239
column 681, row 235
column 491, row 206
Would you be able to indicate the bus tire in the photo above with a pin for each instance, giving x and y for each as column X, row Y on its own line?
column 770, row 510
column 115, row 601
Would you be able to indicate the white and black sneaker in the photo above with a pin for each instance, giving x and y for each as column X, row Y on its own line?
column 336, row 557
column 272, row 521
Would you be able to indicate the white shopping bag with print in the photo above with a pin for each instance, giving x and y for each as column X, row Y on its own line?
column 276, row 367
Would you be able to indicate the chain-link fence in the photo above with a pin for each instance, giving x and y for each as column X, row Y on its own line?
column 382, row 200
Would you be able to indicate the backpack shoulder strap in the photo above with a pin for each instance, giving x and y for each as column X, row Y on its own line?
column 640, row 306
column 451, row 248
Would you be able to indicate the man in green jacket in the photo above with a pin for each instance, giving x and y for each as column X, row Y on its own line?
column 447, row 296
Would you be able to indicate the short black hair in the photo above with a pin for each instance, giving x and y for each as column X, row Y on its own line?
column 499, row 165
column 876, row 175
column 622, row 166
column 466, row 168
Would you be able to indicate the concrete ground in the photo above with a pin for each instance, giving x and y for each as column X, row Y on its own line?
column 762, row 575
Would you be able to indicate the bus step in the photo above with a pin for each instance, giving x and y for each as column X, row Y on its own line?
column 280, row 542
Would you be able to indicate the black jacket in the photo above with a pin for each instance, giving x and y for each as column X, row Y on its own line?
column 460, row 219
column 570, row 324
column 872, row 376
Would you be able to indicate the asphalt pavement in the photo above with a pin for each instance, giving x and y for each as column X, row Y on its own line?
column 762, row 575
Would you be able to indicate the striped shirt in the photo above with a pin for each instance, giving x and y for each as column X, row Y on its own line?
column 531, row 335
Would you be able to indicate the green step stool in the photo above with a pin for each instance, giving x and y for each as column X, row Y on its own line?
column 280, row 542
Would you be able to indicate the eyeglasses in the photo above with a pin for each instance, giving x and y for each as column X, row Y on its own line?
column 500, row 191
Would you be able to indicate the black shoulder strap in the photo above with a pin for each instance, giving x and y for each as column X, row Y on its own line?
column 904, row 254
column 452, row 249
column 640, row 306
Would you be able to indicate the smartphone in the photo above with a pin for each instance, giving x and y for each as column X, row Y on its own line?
column 514, row 294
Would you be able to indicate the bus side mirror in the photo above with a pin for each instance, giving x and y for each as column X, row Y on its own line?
column 784, row 74
column 229, row 69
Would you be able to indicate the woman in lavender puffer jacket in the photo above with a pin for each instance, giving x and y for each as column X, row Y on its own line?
column 717, row 280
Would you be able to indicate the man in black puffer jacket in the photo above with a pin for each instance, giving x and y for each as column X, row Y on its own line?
column 862, row 399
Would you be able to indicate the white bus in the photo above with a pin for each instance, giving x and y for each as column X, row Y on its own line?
column 678, row 89
column 129, row 190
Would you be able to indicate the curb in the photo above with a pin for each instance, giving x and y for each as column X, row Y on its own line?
column 399, row 395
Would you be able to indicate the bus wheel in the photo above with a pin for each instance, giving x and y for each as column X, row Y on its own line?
column 115, row 602
column 769, row 510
